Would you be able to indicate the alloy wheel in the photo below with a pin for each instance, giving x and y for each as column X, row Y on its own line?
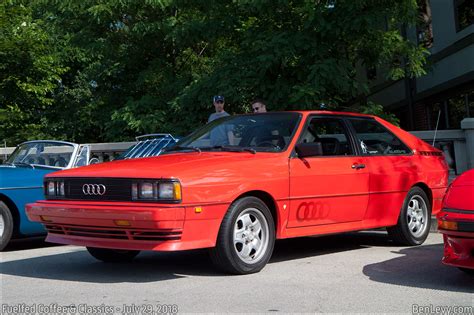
column 417, row 216
column 251, row 236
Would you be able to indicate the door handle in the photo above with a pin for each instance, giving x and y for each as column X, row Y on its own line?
column 357, row 166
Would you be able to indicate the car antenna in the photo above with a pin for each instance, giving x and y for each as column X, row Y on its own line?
column 436, row 129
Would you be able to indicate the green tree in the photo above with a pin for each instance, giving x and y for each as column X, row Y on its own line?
column 125, row 67
column 29, row 72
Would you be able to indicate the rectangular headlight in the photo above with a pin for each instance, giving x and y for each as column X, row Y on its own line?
column 147, row 191
column 159, row 190
column 54, row 188
column 166, row 190
column 51, row 188
column 60, row 190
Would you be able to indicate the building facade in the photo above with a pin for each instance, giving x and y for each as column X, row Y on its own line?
column 445, row 96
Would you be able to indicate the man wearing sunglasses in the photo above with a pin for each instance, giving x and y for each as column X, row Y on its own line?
column 219, row 102
column 258, row 106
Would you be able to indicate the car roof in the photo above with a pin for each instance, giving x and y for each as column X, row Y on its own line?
column 315, row 112
column 328, row 112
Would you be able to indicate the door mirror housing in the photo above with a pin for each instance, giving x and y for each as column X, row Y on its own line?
column 309, row 149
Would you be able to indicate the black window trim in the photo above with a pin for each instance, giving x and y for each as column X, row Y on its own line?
column 345, row 125
column 382, row 126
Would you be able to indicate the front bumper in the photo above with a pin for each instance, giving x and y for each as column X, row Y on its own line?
column 458, row 244
column 458, row 251
column 128, row 226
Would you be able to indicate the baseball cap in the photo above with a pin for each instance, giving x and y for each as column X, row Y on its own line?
column 218, row 98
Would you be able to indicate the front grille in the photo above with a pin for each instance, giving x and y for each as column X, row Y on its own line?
column 116, row 189
column 115, row 233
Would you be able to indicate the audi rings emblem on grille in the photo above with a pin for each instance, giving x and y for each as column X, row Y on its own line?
column 93, row 189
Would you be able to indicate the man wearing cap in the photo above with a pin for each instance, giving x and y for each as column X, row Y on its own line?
column 219, row 102
column 222, row 134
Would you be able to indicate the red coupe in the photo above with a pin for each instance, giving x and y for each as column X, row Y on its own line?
column 240, row 182
column 456, row 222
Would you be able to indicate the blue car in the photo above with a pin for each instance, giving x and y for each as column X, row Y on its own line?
column 21, row 182
column 21, row 177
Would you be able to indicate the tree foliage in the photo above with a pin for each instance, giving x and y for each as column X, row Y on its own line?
column 105, row 71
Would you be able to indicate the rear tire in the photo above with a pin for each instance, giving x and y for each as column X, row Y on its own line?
column 414, row 221
column 112, row 255
column 6, row 225
column 246, row 237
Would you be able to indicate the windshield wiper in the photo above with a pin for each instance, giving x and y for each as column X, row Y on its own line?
column 180, row 148
column 234, row 149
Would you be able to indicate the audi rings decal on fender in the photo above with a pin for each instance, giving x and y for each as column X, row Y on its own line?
column 94, row 189
column 312, row 211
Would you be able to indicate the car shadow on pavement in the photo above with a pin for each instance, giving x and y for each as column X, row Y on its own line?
column 420, row 267
column 297, row 248
column 77, row 265
column 28, row 243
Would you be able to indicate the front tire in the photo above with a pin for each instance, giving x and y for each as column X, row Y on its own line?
column 6, row 225
column 112, row 255
column 246, row 237
column 414, row 221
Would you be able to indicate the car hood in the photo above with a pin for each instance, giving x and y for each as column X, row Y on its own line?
column 14, row 176
column 179, row 165
column 460, row 193
column 465, row 179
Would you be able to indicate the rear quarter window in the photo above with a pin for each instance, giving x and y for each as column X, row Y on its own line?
column 375, row 139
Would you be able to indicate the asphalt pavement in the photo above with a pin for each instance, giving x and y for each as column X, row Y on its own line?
column 348, row 273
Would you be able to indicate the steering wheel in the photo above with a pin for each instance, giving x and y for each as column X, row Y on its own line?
column 270, row 142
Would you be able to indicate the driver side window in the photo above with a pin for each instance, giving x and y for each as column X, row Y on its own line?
column 332, row 135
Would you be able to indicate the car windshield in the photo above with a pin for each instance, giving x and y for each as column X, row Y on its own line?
column 269, row 132
column 51, row 154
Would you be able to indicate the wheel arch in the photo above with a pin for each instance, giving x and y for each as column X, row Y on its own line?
column 14, row 211
column 269, row 202
column 427, row 191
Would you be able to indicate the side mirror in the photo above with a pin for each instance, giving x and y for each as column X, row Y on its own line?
column 309, row 149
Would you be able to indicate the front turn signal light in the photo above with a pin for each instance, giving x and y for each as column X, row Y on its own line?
column 122, row 223
column 177, row 190
column 447, row 225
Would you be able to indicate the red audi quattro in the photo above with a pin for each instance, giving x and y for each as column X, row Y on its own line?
column 456, row 222
column 240, row 182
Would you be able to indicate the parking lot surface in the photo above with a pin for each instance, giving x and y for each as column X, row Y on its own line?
column 355, row 272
